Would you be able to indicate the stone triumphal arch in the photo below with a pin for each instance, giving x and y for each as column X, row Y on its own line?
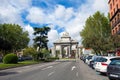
column 66, row 47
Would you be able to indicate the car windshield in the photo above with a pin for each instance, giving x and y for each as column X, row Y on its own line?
column 89, row 57
column 98, row 59
column 102, row 60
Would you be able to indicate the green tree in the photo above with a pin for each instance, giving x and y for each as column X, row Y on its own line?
column 46, row 53
column 115, row 41
column 30, row 51
column 12, row 37
column 41, row 38
column 96, row 33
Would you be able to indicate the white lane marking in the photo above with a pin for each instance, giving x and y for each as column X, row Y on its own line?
column 47, row 67
column 73, row 68
column 50, row 73
column 26, row 66
column 77, row 74
column 41, row 66
column 19, row 71
column 29, row 68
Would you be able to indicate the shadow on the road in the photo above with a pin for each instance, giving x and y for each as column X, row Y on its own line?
column 7, row 73
column 102, row 74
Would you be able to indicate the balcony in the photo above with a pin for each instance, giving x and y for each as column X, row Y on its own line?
column 115, row 24
column 115, row 14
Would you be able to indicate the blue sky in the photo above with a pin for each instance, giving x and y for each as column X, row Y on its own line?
column 50, row 3
column 60, row 15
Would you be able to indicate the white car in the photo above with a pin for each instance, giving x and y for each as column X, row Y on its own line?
column 101, row 65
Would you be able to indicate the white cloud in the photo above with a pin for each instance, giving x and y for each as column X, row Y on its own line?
column 52, row 36
column 31, row 31
column 10, row 10
column 59, row 12
column 36, row 15
column 101, row 5
column 9, row 14
column 58, row 17
column 63, row 13
column 21, row 4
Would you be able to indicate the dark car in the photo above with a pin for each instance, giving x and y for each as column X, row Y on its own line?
column 113, row 69
column 0, row 59
column 84, row 58
column 23, row 58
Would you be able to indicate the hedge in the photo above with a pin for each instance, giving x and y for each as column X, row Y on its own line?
column 10, row 59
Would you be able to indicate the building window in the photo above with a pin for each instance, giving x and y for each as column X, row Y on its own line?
column 112, row 22
column 118, row 17
column 113, row 2
column 117, row 6
column 115, row 20
column 110, row 6
column 116, row 30
column 119, row 27
column 114, row 10
column 113, row 32
column 111, row 14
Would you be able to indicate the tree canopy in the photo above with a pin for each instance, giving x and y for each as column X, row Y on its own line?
column 12, row 37
column 96, row 33
column 41, row 37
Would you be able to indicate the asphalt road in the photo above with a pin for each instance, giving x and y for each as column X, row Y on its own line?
column 60, row 70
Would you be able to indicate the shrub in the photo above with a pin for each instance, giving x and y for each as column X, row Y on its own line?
column 51, row 59
column 10, row 58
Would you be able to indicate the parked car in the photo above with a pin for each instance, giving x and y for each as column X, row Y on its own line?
column 113, row 69
column 84, row 58
column 101, row 65
column 23, row 58
column 88, row 59
column 0, row 59
column 94, row 60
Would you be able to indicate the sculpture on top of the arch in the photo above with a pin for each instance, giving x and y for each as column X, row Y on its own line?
column 65, row 34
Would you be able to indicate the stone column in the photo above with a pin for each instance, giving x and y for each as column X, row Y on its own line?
column 60, row 51
column 67, row 51
column 69, row 54
column 54, row 51
column 76, row 55
column 77, row 52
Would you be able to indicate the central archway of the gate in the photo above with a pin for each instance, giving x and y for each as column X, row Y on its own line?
column 66, row 51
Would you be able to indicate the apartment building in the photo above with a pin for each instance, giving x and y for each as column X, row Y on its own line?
column 114, row 7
